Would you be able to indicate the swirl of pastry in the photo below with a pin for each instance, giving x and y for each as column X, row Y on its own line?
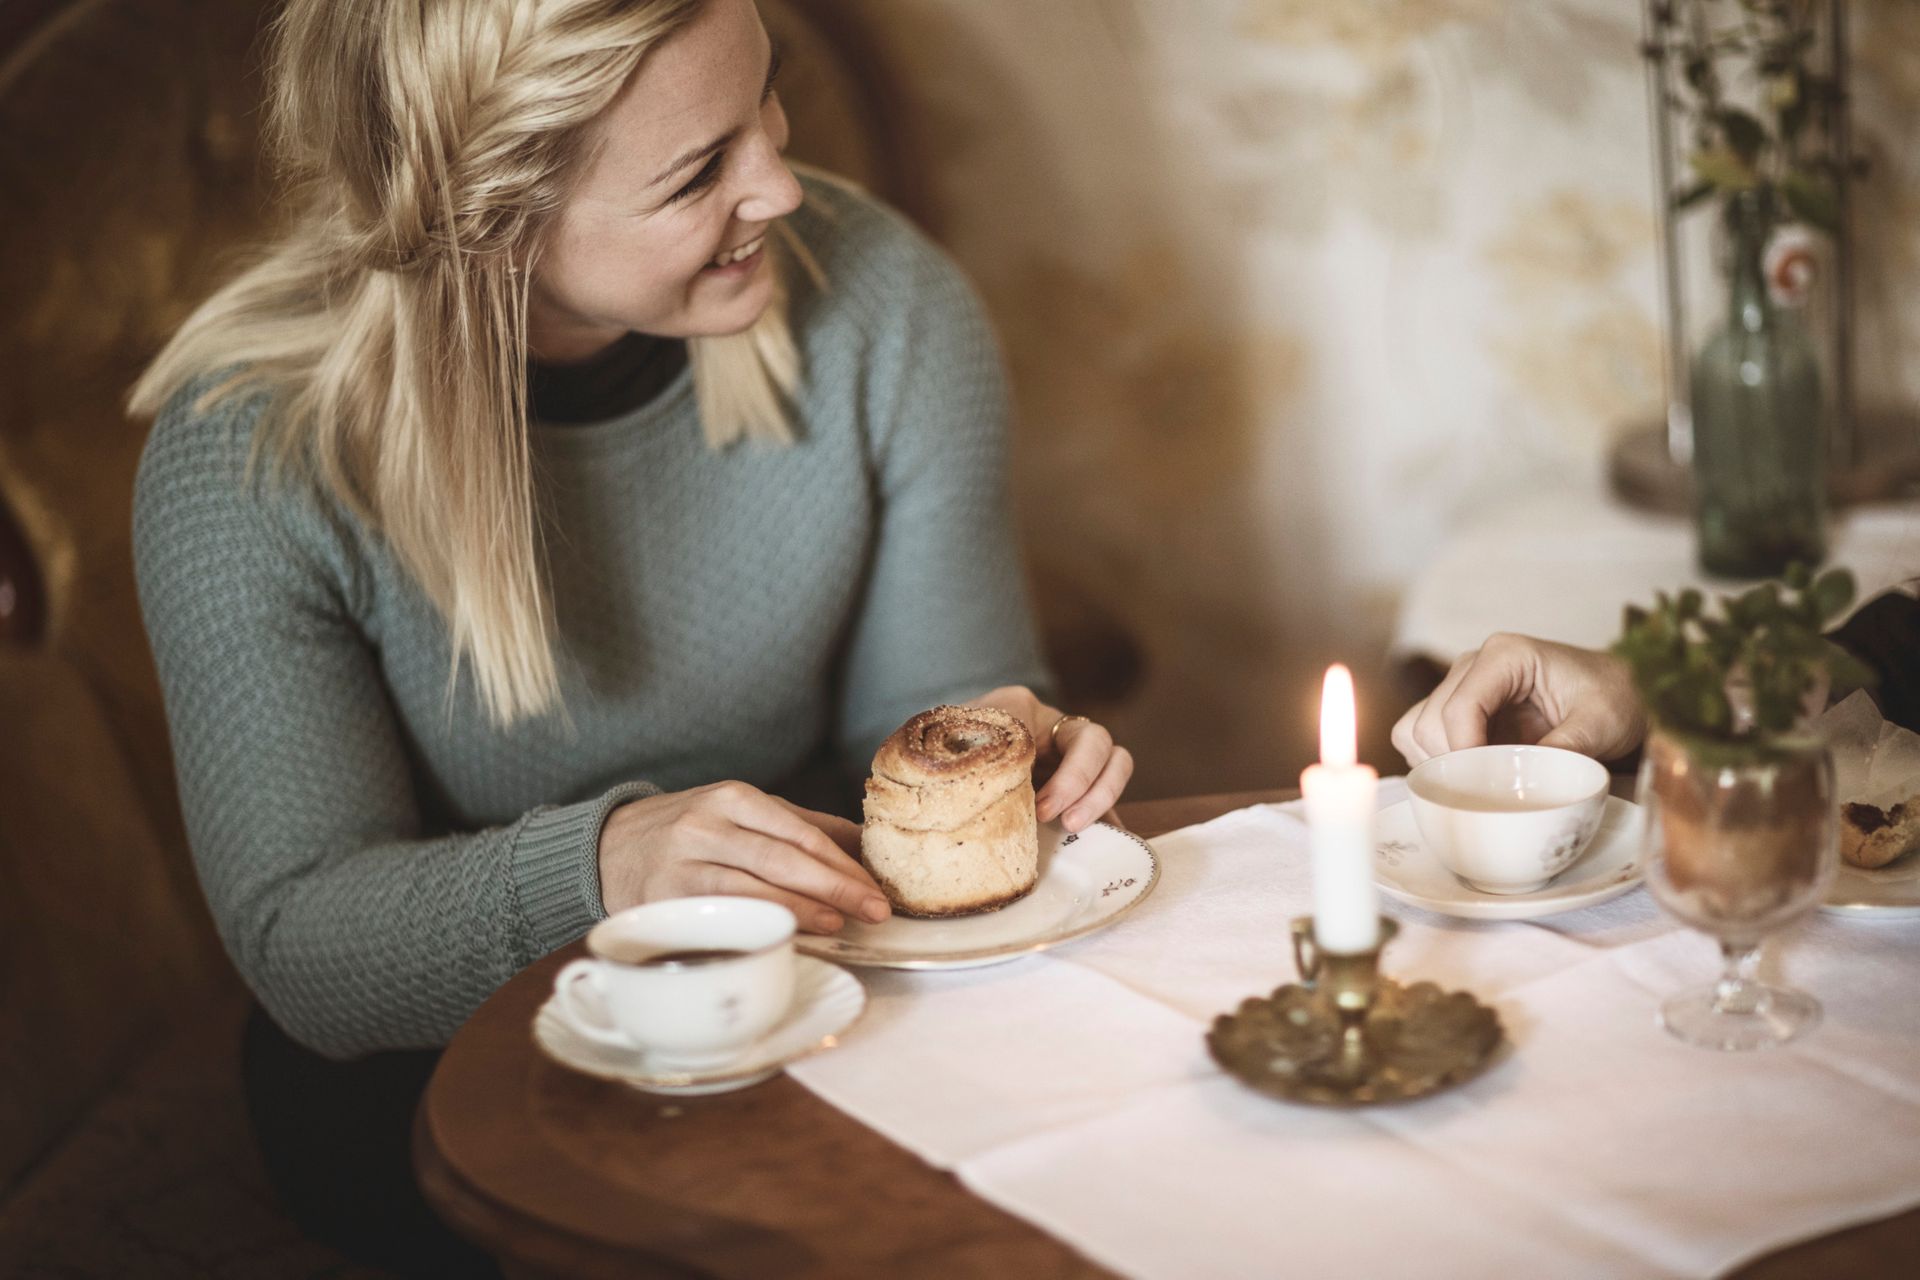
column 950, row 825
column 942, row 744
column 945, row 765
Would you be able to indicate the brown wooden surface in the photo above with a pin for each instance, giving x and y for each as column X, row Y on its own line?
column 562, row 1175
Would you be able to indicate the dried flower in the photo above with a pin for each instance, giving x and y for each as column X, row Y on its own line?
column 1792, row 264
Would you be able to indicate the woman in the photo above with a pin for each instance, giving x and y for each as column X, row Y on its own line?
column 514, row 542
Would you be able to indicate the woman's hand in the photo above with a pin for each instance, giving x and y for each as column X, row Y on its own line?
column 1092, row 771
column 1525, row 690
column 733, row 838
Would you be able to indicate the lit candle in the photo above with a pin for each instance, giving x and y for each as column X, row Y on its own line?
column 1339, row 795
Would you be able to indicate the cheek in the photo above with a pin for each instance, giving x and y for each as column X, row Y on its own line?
column 621, row 272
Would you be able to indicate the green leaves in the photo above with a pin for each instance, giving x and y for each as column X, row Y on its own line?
column 1831, row 595
column 1758, row 115
column 1744, row 673
column 1723, row 169
column 1812, row 198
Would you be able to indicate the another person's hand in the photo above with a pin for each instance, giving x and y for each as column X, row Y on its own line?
column 733, row 838
column 1092, row 771
column 1518, row 689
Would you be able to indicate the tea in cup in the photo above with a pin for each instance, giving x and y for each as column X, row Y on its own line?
column 1508, row 819
column 690, row 981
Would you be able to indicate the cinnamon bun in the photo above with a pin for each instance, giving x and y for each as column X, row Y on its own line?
column 950, row 828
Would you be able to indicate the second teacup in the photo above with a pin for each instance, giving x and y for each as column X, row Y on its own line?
column 691, row 981
column 1507, row 819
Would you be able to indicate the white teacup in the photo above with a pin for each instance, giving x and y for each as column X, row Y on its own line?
column 1508, row 819
column 691, row 981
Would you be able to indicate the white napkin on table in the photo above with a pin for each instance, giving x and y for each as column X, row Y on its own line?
column 1074, row 1090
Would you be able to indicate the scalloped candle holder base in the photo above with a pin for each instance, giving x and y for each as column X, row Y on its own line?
column 1422, row 1040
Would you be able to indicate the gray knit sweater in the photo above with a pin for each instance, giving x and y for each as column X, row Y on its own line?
column 378, row 859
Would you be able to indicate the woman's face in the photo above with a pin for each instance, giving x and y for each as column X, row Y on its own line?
column 685, row 172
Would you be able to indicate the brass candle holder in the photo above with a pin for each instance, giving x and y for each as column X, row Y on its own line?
column 1346, row 1036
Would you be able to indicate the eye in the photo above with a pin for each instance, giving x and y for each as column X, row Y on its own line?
column 709, row 172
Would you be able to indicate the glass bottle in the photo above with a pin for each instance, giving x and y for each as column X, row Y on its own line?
column 1758, row 419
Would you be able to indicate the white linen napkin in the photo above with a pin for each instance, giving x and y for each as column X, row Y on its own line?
column 1074, row 1090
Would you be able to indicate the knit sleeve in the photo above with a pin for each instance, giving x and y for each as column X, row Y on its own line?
column 945, row 614
column 356, row 929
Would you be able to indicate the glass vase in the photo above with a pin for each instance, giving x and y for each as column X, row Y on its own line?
column 1759, row 436
column 1741, row 839
column 1752, row 166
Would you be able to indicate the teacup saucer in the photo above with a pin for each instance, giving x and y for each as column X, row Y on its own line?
column 826, row 1001
column 1407, row 872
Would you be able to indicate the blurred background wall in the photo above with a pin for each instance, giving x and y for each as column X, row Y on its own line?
column 1291, row 287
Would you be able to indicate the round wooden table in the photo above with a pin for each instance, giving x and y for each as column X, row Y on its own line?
column 559, row 1174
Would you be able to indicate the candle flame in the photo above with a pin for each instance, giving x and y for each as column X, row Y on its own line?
column 1338, row 746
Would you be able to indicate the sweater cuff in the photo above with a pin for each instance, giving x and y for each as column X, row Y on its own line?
column 556, row 865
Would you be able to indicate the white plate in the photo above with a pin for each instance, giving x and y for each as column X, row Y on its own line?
column 1891, row 891
column 826, row 1001
column 1407, row 872
column 1087, row 881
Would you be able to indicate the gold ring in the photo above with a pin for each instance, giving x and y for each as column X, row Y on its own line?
column 1053, row 734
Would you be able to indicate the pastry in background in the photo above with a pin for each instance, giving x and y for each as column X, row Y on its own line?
column 1872, row 837
column 950, row 828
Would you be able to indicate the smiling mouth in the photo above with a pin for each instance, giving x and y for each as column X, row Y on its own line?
column 741, row 253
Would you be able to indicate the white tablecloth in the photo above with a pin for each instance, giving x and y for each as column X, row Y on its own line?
column 1074, row 1090
column 1563, row 565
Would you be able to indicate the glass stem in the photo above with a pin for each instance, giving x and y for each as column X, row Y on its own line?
column 1736, row 992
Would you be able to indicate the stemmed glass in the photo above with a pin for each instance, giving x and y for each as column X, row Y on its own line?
column 1740, row 839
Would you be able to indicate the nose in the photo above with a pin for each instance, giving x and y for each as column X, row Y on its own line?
column 770, row 190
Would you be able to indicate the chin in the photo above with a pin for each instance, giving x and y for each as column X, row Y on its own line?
column 734, row 315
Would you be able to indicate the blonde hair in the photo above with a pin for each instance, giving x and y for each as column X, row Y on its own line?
column 425, row 146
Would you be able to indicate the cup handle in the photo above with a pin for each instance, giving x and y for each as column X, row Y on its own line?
column 1306, row 956
column 591, row 1023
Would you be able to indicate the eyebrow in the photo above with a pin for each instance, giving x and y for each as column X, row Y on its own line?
column 698, row 154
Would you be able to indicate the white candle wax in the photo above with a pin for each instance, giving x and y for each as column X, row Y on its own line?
column 1339, row 795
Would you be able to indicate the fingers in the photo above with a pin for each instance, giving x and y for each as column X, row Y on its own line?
column 820, row 835
column 843, row 837
column 843, row 833
column 1478, row 687
column 845, row 856
column 785, row 845
column 1495, row 679
column 1104, row 792
column 710, row 877
column 785, row 867
column 1091, row 775
column 1403, row 734
column 1526, row 690
column 1420, row 733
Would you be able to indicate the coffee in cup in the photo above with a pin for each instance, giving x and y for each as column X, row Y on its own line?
column 689, row 981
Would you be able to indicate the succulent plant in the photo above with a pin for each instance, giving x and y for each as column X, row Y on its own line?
column 1742, row 672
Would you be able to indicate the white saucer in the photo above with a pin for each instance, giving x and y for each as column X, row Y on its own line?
column 1087, row 881
column 1889, row 892
column 826, row 1001
column 1407, row 872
